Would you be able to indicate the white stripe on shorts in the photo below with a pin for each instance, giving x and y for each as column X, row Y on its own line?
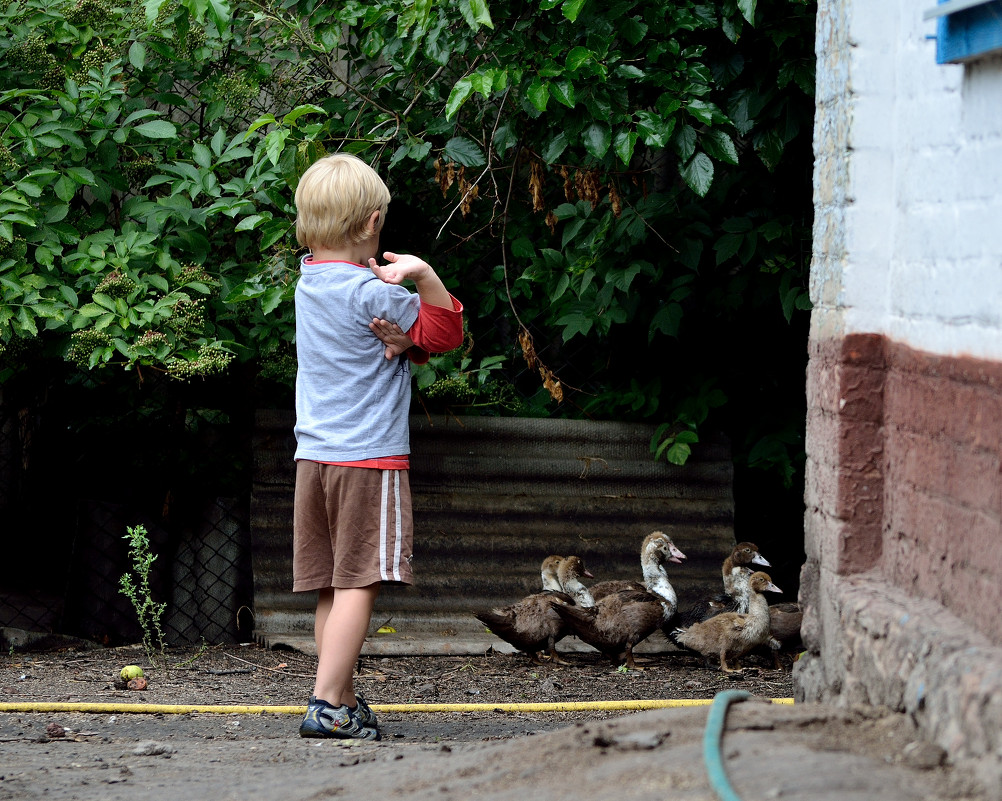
column 385, row 566
column 399, row 528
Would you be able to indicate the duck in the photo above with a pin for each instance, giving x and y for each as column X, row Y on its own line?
column 531, row 625
column 706, row 608
column 784, row 629
column 731, row 635
column 620, row 620
column 742, row 555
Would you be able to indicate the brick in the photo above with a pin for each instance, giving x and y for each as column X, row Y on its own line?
column 918, row 459
column 859, row 549
column 975, row 479
column 864, row 349
column 861, row 393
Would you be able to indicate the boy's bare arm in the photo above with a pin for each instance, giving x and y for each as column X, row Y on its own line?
column 402, row 268
column 391, row 335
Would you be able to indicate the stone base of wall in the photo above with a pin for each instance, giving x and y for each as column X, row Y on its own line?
column 886, row 648
column 902, row 586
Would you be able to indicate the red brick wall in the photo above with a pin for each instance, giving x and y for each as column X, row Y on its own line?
column 905, row 472
column 845, row 489
column 943, row 479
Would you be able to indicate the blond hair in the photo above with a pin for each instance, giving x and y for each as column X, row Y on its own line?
column 335, row 199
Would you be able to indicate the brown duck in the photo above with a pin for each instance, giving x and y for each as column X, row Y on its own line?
column 531, row 625
column 731, row 635
column 620, row 620
column 744, row 554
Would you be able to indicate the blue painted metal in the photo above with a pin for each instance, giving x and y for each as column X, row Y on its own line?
column 969, row 32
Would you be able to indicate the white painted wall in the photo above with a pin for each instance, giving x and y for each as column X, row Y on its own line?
column 908, row 225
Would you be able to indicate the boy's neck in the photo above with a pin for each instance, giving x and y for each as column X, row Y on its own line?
column 356, row 254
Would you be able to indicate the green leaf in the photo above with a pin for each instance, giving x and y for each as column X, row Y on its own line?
column 655, row 130
column 623, row 145
column 678, row 453
column 575, row 323
column 464, row 151
column 555, row 147
column 666, row 320
column 65, row 188
column 299, row 111
column 578, row 57
column 220, row 14
column 769, row 147
column 250, row 223
column 633, row 30
column 597, row 138
column 476, row 14
column 571, row 8
column 684, row 142
column 137, row 55
column 698, row 174
column 91, row 310
column 704, row 112
column 563, row 92
column 504, row 138
column 720, row 146
column 727, row 245
column 271, row 299
column 157, row 129
column 460, row 92
column 538, row 93
column 747, row 9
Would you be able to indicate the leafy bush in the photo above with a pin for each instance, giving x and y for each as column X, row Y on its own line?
column 609, row 188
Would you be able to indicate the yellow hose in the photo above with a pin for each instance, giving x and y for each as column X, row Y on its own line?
column 247, row 709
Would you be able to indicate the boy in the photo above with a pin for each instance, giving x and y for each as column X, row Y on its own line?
column 352, row 525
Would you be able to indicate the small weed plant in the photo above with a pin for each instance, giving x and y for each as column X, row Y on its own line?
column 136, row 587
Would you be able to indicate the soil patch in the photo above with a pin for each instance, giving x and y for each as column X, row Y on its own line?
column 250, row 674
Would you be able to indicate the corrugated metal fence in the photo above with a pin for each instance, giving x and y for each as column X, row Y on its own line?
column 492, row 497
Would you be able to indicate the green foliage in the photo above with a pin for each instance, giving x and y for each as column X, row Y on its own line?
column 629, row 180
column 136, row 587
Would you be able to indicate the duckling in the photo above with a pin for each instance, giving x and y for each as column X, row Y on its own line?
column 569, row 575
column 742, row 555
column 731, row 634
column 548, row 573
column 706, row 608
column 531, row 625
column 618, row 621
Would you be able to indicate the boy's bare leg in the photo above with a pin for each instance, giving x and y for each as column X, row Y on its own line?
column 325, row 600
column 345, row 622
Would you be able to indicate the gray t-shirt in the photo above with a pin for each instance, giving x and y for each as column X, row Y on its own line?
column 351, row 402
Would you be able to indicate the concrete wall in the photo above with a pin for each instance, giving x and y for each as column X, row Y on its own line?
column 903, row 579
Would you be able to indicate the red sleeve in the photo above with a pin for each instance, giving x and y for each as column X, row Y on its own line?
column 437, row 328
column 418, row 355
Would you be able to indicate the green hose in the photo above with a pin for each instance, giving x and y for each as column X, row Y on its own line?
column 713, row 739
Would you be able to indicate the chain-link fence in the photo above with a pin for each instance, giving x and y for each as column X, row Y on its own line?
column 74, row 478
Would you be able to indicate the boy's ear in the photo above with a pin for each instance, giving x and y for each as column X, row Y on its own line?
column 375, row 222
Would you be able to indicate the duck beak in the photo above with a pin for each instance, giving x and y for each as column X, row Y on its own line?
column 758, row 559
column 587, row 573
column 675, row 556
column 773, row 588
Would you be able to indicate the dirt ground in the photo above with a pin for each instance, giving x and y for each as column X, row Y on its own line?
column 797, row 751
column 250, row 674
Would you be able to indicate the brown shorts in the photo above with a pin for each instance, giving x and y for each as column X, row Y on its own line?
column 352, row 527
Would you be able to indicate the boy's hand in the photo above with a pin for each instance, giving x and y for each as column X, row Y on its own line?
column 391, row 335
column 400, row 268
